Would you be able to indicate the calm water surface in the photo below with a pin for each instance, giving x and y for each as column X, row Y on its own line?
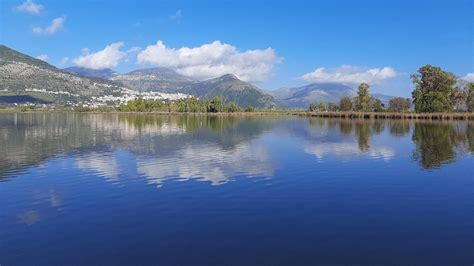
column 111, row 189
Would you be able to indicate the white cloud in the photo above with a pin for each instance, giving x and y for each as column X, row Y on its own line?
column 177, row 16
column 104, row 164
column 212, row 60
column 469, row 77
column 55, row 26
column 106, row 58
column 134, row 49
column 30, row 7
column 348, row 151
column 208, row 163
column 350, row 74
column 43, row 57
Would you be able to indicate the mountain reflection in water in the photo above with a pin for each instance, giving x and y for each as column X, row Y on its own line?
column 211, row 148
column 134, row 189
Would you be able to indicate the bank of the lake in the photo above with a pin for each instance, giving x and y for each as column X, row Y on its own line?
column 395, row 115
column 344, row 115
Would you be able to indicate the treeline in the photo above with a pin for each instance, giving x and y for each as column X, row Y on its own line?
column 435, row 91
column 188, row 105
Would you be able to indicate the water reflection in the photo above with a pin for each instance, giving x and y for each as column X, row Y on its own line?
column 440, row 143
column 29, row 217
column 208, row 163
column 435, row 143
column 104, row 164
column 352, row 142
column 75, row 186
column 212, row 148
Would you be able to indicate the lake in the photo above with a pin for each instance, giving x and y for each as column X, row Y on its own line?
column 110, row 189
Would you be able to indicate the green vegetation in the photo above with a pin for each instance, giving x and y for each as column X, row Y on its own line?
column 345, row 104
column 362, row 101
column 436, row 91
column 433, row 89
column 470, row 97
column 188, row 105
column 399, row 104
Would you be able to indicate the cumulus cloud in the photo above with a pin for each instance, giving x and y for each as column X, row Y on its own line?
column 469, row 77
column 348, row 151
column 218, row 167
column 109, row 57
column 43, row 57
column 104, row 164
column 30, row 7
column 212, row 60
column 350, row 74
column 55, row 26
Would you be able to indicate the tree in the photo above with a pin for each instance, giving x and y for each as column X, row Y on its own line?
column 312, row 107
column 399, row 104
column 321, row 107
column 363, row 98
column 332, row 107
column 231, row 107
column 216, row 105
column 345, row 104
column 433, row 89
column 458, row 97
column 376, row 105
column 470, row 97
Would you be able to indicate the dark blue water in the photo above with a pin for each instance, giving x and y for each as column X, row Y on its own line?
column 78, row 189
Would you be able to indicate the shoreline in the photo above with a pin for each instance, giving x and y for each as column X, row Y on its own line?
column 341, row 115
column 394, row 115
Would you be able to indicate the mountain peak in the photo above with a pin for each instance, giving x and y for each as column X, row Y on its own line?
column 104, row 73
column 228, row 77
column 8, row 54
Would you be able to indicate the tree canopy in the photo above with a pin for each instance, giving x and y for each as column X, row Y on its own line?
column 433, row 89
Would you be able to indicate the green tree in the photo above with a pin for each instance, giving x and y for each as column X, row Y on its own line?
column 399, row 104
column 216, row 105
column 321, row 107
column 433, row 89
column 376, row 105
column 312, row 107
column 470, row 97
column 250, row 109
column 458, row 98
column 332, row 107
column 363, row 98
column 231, row 107
column 345, row 104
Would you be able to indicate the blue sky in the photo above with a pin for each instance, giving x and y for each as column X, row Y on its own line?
column 272, row 44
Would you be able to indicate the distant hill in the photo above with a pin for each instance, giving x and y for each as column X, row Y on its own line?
column 233, row 90
column 228, row 86
column 105, row 73
column 33, row 80
column 154, row 79
column 301, row 97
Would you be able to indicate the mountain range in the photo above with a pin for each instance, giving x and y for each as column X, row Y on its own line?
column 105, row 73
column 301, row 97
column 24, row 78
column 166, row 80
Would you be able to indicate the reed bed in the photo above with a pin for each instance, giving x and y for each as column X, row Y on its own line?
column 389, row 115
